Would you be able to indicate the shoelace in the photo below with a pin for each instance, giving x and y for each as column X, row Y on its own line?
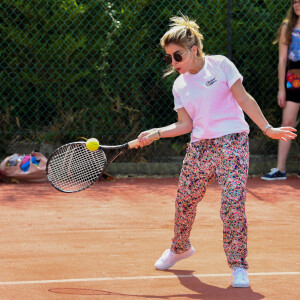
column 166, row 253
column 273, row 170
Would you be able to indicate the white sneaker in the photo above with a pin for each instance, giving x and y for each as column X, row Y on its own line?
column 240, row 278
column 168, row 259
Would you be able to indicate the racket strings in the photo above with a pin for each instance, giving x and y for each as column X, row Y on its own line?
column 73, row 167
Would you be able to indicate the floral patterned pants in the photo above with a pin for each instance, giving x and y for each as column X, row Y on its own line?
column 225, row 159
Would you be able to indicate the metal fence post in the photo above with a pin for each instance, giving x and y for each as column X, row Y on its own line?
column 229, row 29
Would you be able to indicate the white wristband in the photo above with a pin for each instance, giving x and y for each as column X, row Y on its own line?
column 266, row 128
column 155, row 132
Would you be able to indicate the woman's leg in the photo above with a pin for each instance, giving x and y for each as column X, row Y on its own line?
column 197, row 171
column 289, row 117
column 232, row 175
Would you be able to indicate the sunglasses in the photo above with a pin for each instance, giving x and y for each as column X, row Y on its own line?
column 177, row 57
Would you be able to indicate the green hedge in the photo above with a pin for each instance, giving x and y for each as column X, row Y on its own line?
column 94, row 67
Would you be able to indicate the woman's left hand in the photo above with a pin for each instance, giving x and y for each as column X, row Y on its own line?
column 281, row 133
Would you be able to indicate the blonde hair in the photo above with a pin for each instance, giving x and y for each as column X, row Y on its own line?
column 185, row 33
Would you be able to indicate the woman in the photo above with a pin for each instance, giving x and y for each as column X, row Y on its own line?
column 288, row 83
column 209, row 99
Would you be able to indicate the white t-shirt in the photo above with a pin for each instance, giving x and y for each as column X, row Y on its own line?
column 207, row 98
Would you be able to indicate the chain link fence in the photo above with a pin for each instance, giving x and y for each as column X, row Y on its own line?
column 93, row 68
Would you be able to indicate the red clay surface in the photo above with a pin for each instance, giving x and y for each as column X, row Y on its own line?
column 101, row 243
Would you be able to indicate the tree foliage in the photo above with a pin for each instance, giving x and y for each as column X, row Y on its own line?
column 73, row 68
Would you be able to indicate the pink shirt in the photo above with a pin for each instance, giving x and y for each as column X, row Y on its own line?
column 207, row 98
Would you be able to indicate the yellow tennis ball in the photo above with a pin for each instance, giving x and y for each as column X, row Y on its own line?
column 92, row 144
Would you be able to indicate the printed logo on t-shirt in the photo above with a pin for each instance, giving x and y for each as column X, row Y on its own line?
column 212, row 81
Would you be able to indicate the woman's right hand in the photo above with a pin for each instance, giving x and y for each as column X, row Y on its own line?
column 281, row 97
column 145, row 137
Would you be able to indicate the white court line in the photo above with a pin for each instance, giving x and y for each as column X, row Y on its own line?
column 139, row 277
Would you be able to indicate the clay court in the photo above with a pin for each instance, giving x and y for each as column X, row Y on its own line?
column 101, row 243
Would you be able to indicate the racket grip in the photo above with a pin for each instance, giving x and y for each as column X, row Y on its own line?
column 134, row 144
column 153, row 135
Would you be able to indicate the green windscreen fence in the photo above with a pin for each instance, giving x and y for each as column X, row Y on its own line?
column 93, row 68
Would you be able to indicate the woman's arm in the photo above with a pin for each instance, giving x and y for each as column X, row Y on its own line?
column 251, row 108
column 182, row 126
column 283, row 53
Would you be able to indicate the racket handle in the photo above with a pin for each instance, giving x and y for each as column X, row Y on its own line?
column 155, row 135
column 134, row 144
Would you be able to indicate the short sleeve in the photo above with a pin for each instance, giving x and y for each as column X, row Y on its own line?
column 231, row 72
column 177, row 101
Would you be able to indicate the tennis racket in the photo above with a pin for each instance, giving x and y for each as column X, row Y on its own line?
column 72, row 167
